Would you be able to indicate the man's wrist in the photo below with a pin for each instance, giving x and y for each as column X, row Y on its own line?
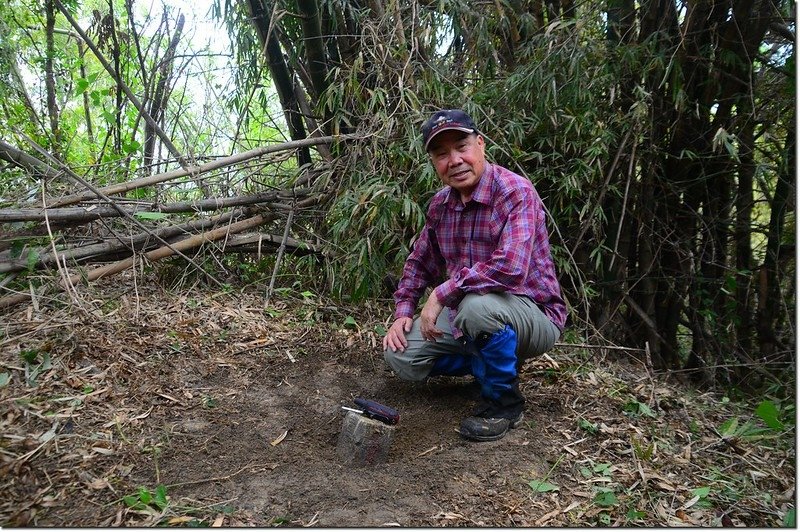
column 404, row 309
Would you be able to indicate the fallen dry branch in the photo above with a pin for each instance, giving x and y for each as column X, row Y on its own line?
column 157, row 254
column 196, row 170
column 89, row 186
column 27, row 162
column 138, row 242
column 255, row 242
column 94, row 212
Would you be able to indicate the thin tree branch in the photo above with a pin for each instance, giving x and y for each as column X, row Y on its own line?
column 197, row 170
column 131, row 97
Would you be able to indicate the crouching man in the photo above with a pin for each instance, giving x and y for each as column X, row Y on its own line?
column 500, row 301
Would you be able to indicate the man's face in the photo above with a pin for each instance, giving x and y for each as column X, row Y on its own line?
column 459, row 160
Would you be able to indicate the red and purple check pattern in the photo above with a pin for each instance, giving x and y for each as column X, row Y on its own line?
column 495, row 243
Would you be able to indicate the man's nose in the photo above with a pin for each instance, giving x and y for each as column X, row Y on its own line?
column 454, row 158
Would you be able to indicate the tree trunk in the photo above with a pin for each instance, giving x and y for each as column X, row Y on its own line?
column 115, row 56
column 279, row 71
column 742, row 237
column 770, row 303
column 314, row 46
column 50, row 79
column 86, row 109
column 158, row 104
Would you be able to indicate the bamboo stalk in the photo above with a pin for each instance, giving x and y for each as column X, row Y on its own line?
column 196, row 170
column 78, row 179
column 84, row 214
column 156, row 254
column 136, row 242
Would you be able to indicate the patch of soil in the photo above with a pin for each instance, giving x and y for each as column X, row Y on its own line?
column 431, row 471
column 236, row 411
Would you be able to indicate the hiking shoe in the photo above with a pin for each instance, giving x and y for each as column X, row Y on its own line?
column 489, row 427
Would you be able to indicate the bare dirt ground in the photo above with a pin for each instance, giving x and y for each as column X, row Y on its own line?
column 140, row 407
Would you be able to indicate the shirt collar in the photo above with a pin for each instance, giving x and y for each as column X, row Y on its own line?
column 482, row 192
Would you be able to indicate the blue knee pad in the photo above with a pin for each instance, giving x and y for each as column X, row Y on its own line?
column 453, row 365
column 495, row 363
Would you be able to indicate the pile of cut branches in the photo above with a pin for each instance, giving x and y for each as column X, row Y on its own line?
column 138, row 218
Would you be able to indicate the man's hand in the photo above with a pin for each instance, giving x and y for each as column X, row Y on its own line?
column 428, row 316
column 395, row 338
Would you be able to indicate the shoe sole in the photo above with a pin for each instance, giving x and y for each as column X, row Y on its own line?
column 514, row 424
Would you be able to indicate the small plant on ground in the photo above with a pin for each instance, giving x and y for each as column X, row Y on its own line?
column 146, row 501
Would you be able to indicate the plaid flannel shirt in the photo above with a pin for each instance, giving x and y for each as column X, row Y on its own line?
column 497, row 242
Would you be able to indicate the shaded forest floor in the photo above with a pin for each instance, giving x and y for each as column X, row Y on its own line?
column 142, row 406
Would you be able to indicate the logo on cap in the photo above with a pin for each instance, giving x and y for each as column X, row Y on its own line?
column 445, row 120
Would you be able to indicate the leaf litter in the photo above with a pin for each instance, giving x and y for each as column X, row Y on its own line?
column 172, row 402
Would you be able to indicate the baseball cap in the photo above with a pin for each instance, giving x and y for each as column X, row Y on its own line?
column 444, row 120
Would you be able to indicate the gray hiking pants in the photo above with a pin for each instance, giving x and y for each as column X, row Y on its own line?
column 488, row 313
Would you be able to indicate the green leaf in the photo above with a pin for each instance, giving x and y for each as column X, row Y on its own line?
column 728, row 428
column 604, row 518
column 307, row 294
column 5, row 378
column 790, row 519
column 634, row 514
column 541, row 486
column 635, row 408
column 131, row 147
column 589, row 427
column 147, row 215
column 768, row 412
column 605, row 499
column 81, row 86
column 645, row 410
column 209, row 402
column 130, row 500
column 603, row 469
column 31, row 259
column 350, row 322
column 160, row 499
column 29, row 355
column 701, row 492
column 380, row 330
column 145, row 496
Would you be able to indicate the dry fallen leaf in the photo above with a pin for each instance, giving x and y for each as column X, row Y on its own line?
column 279, row 439
column 179, row 520
column 691, row 502
column 546, row 517
column 103, row 450
column 97, row 484
column 218, row 521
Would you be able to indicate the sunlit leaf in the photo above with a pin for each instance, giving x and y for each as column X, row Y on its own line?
column 541, row 486
column 768, row 412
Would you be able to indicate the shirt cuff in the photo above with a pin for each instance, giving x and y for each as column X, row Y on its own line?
column 449, row 294
column 404, row 309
